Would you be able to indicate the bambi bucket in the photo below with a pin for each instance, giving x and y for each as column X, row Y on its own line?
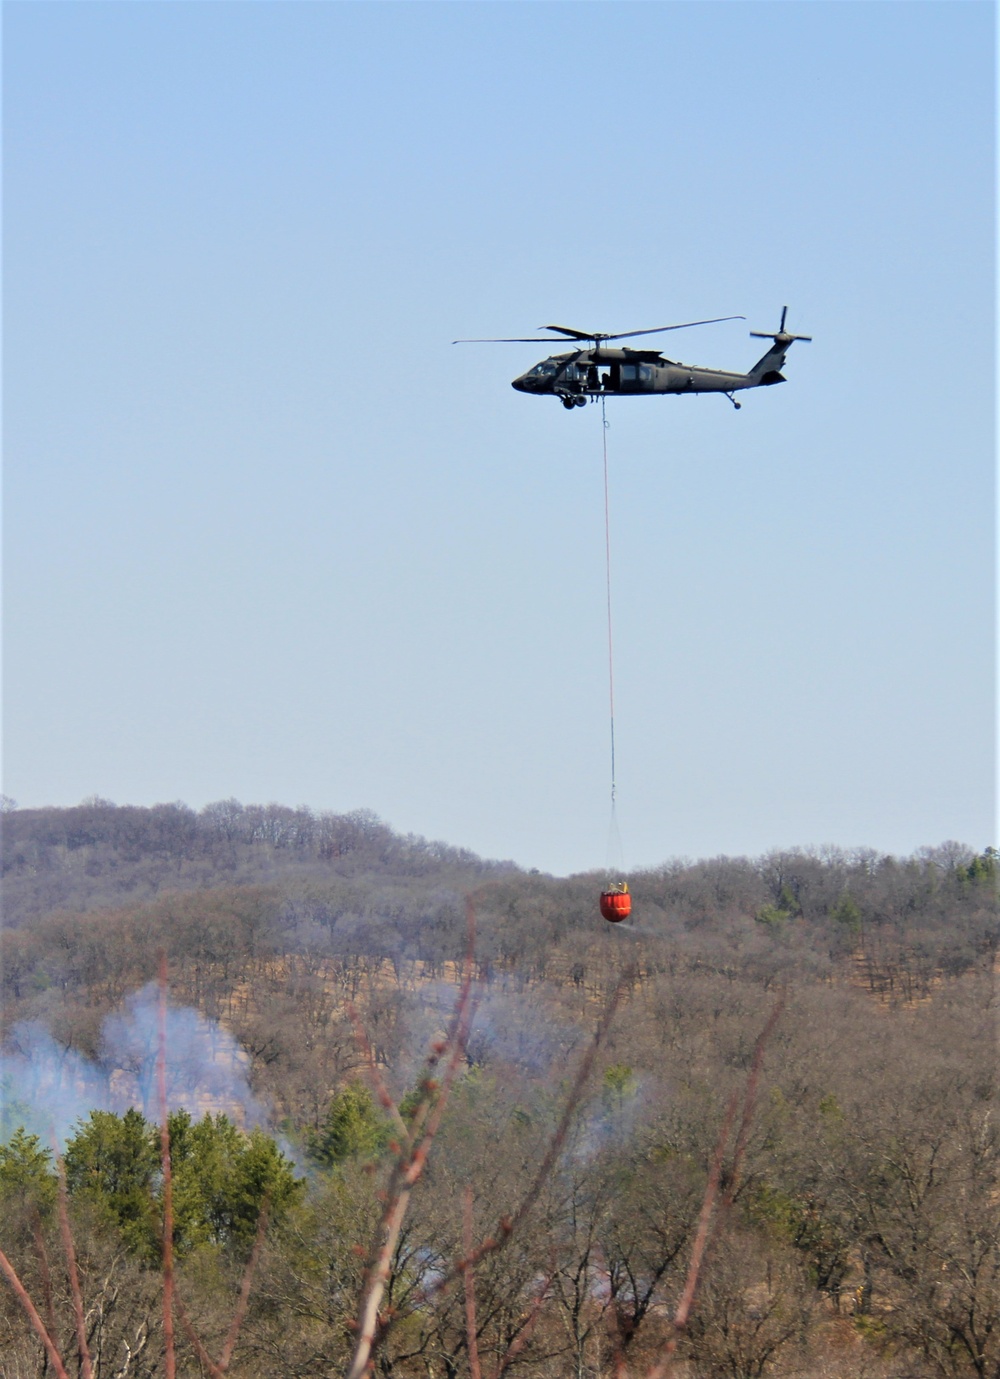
column 616, row 906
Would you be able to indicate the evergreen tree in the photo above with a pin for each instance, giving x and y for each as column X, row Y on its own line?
column 354, row 1128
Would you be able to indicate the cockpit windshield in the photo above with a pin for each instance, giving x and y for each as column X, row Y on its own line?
column 546, row 369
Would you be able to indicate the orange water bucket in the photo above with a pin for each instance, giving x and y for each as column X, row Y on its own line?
column 616, row 906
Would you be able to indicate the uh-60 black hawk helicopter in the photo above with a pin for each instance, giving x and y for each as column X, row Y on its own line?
column 577, row 376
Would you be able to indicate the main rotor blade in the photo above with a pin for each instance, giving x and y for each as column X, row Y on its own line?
column 627, row 334
column 516, row 340
column 576, row 334
column 596, row 336
column 657, row 330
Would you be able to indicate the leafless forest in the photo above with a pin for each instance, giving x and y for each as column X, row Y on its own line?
column 755, row 1132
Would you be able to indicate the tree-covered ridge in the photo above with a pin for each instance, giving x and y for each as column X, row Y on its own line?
column 865, row 1218
column 94, row 854
column 865, row 1223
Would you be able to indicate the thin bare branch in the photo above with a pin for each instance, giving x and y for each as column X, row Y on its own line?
column 375, row 1073
column 613, row 1322
column 21, row 1293
column 241, row 1307
column 704, row 1221
column 168, row 1187
column 703, row 1232
column 214, row 1370
column 217, row 1370
column 375, row 1283
column 523, row 1336
column 437, row 1093
column 572, row 1102
column 663, row 1367
column 468, row 1278
column 43, row 1261
column 750, row 1101
column 411, row 1161
column 508, row 1225
column 69, row 1250
column 413, row 1157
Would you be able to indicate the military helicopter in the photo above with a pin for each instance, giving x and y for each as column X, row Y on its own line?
column 576, row 377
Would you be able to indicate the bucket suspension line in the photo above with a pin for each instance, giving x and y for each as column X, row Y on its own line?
column 615, row 902
column 607, row 566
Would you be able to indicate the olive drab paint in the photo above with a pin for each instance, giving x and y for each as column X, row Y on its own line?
column 618, row 371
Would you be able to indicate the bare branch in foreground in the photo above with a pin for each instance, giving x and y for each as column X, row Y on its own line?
column 703, row 1233
column 470, row 1287
column 413, row 1156
column 69, row 1251
column 247, row 1283
column 168, row 1185
column 214, row 1370
column 43, row 1260
column 750, row 1101
column 218, row 1369
column 524, row 1335
column 21, row 1293
column 412, row 1160
column 375, row 1072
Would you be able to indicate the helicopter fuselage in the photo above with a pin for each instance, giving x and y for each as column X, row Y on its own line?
column 623, row 372
column 596, row 369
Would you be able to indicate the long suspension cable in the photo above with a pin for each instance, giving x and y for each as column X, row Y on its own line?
column 607, row 562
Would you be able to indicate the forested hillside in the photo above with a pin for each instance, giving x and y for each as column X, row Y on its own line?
column 863, row 1234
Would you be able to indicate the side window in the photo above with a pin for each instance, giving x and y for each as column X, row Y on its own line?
column 645, row 373
column 628, row 373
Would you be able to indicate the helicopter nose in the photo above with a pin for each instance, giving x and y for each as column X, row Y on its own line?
column 520, row 384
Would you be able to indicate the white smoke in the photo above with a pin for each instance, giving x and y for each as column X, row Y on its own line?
column 50, row 1088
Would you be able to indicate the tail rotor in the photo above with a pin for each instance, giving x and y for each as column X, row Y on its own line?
column 780, row 336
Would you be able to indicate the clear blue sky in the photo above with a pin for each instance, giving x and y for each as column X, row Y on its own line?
column 270, row 535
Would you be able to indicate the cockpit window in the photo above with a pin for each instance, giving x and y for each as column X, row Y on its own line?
column 546, row 369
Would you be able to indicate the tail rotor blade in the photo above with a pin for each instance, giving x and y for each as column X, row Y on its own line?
column 781, row 333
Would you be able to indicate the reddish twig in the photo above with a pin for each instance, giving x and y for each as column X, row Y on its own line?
column 662, row 1368
column 750, row 1100
column 168, row 1186
column 702, row 1234
column 572, row 1102
column 411, row 1162
column 704, row 1221
column 613, row 1322
column 217, row 1370
column 69, row 1250
column 241, row 1307
column 214, row 1370
column 21, row 1293
column 43, row 1260
column 509, row 1224
column 374, row 1072
column 413, row 1157
column 522, row 1337
column 470, row 1287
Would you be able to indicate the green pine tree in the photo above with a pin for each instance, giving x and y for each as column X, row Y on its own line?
column 354, row 1128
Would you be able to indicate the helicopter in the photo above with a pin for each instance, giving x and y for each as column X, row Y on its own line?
column 576, row 377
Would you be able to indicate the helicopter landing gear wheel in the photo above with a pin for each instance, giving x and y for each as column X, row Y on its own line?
column 736, row 404
column 568, row 402
column 579, row 402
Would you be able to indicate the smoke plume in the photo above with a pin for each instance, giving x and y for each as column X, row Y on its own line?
column 49, row 1088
